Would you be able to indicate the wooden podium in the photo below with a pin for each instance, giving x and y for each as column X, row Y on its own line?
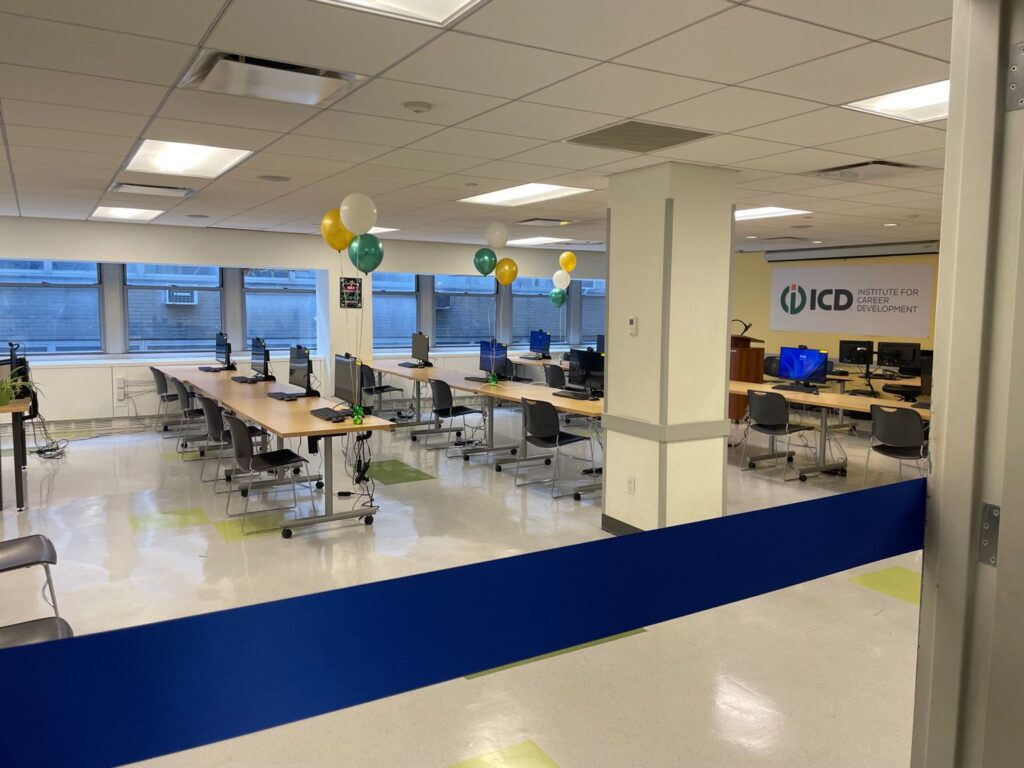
column 746, row 363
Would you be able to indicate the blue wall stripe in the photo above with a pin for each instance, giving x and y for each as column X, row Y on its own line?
column 129, row 694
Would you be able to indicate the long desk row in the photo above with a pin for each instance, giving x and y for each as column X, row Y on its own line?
column 282, row 419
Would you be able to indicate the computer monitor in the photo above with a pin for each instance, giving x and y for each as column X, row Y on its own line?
column 421, row 347
column 927, row 361
column 600, row 342
column 540, row 342
column 856, row 352
column 494, row 357
column 348, row 380
column 223, row 347
column 803, row 365
column 895, row 354
column 260, row 361
column 586, row 369
column 300, row 369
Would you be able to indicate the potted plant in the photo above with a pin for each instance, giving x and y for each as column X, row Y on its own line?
column 15, row 385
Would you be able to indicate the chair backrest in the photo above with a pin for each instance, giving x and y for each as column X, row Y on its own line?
column 441, row 394
column 771, row 366
column 897, row 427
column 161, row 381
column 214, row 418
column 554, row 376
column 241, row 441
column 540, row 418
column 768, row 408
column 182, row 393
column 367, row 373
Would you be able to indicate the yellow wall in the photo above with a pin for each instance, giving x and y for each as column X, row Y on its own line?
column 751, row 301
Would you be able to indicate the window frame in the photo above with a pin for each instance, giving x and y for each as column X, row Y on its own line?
column 244, row 309
column 495, row 296
column 583, row 302
column 415, row 293
column 125, row 319
column 556, row 344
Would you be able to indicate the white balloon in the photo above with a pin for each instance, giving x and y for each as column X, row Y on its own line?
column 358, row 213
column 561, row 279
column 496, row 234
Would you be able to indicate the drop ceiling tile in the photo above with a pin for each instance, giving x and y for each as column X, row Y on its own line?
column 37, row 43
column 896, row 197
column 847, row 190
column 386, row 98
column 913, row 138
column 189, row 132
column 869, row 70
column 730, row 109
column 637, row 161
column 110, row 163
column 222, row 109
column 382, row 174
column 617, row 90
column 737, row 45
column 317, row 34
column 25, row 136
column 724, row 150
column 427, row 161
column 371, row 129
column 583, row 179
column 916, row 180
column 539, row 121
column 932, row 158
column 476, row 143
column 585, row 27
column 801, row 161
column 788, row 184
column 184, row 21
column 295, row 180
column 870, row 18
column 329, row 149
column 39, row 115
column 519, row 172
column 933, row 40
column 47, row 175
column 469, row 184
column 822, row 127
column 43, row 85
column 486, row 66
column 574, row 156
column 271, row 162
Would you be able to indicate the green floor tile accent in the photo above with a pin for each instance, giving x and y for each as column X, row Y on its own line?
column 393, row 472
column 7, row 452
column 172, row 518
column 542, row 657
column 526, row 754
column 255, row 525
column 173, row 456
column 901, row 583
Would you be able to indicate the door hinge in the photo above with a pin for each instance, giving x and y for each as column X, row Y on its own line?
column 988, row 541
column 1015, row 78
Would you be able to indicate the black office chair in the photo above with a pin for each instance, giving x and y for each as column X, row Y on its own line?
column 769, row 415
column 164, row 398
column 190, row 417
column 254, row 464
column 554, row 376
column 898, row 433
column 35, row 631
column 443, row 407
column 372, row 390
column 218, row 437
column 542, row 429
column 27, row 551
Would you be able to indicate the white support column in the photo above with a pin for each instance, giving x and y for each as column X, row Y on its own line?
column 668, row 270
column 969, row 708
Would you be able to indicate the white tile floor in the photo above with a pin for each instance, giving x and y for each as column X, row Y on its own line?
column 820, row 674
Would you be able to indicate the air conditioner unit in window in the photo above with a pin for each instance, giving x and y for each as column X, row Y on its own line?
column 442, row 301
column 181, row 296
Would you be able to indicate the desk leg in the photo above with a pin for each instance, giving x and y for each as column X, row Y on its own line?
column 20, row 459
column 823, row 466
column 489, row 447
column 522, row 456
column 380, row 397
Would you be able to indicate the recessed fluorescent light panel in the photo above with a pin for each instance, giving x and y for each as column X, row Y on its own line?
column 125, row 214
column 437, row 12
column 922, row 104
column 768, row 212
column 381, row 230
column 151, row 189
column 524, row 194
column 528, row 241
column 178, row 159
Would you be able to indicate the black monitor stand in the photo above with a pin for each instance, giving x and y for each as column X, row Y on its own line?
column 416, row 364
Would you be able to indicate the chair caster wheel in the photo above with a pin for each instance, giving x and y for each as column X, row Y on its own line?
column 166, row 428
column 751, row 465
column 286, row 533
column 576, row 497
column 244, row 494
column 547, row 462
column 297, row 470
column 319, row 484
column 368, row 520
column 184, row 446
column 789, row 459
column 202, row 453
column 803, row 478
column 458, row 433
column 413, row 438
column 842, row 473
column 497, row 467
column 568, row 421
column 465, row 458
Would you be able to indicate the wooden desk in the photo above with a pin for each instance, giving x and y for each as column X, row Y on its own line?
column 17, row 408
column 281, row 418
column 517, row 360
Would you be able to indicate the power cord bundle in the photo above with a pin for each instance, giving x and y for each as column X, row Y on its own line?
column 50, row 449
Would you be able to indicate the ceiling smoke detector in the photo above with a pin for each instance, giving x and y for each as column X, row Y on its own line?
column 418, row 107
column 866, row 171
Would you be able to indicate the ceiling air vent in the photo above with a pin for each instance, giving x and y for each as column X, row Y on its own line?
column 238, row 75
column 867, row 171
column 635, row 136
column 150, row 189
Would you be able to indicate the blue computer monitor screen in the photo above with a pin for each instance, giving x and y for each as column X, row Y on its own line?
column 803, row 364
column 493, row 356
column 540, row 342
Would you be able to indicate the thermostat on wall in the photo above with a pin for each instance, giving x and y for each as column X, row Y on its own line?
column 633, row 325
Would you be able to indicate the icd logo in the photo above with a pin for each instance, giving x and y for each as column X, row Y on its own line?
column 794, row 299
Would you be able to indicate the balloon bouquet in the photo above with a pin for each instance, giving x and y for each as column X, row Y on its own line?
column 486, row 261
column 348, row 227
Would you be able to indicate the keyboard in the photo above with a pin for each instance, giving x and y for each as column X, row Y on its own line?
column 333, row 415
column 285, row 396
column 573, row 395
column 839, row 372
column 211, row 368
column 532, row 357
column 484, row 379
column 796, row 388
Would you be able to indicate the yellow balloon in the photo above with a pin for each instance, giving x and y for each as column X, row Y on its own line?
column 567, row 261
column 334, row 232
column 506, row 271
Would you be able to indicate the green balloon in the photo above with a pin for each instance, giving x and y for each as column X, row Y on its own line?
column 366, row 253
column 485, row 261
column 558, row 297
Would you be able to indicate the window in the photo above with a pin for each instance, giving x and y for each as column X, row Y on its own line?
column 465, row 310
column 532, row 310
column 50, row 306
column 280, row 307
column 593, row 296
column 394, row 309
column 172, row 308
